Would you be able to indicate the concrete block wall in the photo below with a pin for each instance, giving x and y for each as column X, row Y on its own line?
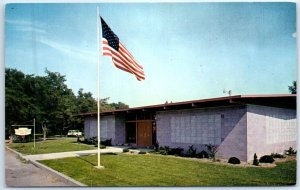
column 109, row 127
column 234, row 133
column 90, row 127
column 270, row 130
column 119, row 130
column 224, row 127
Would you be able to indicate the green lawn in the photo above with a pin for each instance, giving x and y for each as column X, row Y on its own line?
column 158, row 170
column 50, row 146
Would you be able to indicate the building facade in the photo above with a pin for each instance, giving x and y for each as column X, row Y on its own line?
column 238, row 125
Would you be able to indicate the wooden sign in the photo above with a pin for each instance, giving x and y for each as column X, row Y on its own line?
column 23, row 131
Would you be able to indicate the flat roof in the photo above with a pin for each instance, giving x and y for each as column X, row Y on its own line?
column 273, row 100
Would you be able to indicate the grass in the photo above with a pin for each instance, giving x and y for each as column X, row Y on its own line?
column 158, row 170
column 50, row 146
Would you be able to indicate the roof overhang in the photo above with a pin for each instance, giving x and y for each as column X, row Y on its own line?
column 287, row 101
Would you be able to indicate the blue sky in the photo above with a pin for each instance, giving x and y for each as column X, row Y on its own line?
column 188, row 50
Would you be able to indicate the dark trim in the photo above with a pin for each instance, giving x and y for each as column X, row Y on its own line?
column 273, row 100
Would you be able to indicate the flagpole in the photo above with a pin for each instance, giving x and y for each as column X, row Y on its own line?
column 98, row 88
column 33, row 132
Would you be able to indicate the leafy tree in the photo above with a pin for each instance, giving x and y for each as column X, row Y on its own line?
column 45, row 98
column 119, row 105
column 49, row 100
column 293, row 88
column 18, row 104
column 85, row 102
column 105, row 106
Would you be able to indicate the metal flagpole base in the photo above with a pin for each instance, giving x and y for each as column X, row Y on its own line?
column 99, row 167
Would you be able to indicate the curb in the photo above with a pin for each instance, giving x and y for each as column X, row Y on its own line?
column 61, row 176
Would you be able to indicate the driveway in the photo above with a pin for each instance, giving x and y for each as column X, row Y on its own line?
column 20, row 173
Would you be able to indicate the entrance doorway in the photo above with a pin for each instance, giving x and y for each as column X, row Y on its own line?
column 144, row 133
column 140, row 128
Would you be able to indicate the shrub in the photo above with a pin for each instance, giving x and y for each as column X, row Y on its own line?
column 290, row 151
column 164, row 150
column 17, row 139
column 255, row 160
column 192, row 152
column 20, row 139
column 202, row 154
column 276, row 155
column 92, row 140
column 142, row 152
column 266, row 159
column 213, row 149
column 156, row 146
column 234, row 160
column 175, row 151
column 126, row 150
column 106, row 142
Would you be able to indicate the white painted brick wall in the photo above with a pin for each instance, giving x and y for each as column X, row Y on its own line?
column 270, row 130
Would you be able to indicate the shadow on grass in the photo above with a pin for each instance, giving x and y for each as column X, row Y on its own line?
column 90, row 163
column 81, row 158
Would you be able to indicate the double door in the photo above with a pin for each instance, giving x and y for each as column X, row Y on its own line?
column 144, row 133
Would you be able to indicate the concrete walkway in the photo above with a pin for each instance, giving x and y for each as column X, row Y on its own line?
column 63, row 179
column 57, row 179
column 71, row 154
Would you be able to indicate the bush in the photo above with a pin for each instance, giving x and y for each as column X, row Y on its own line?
column 192, row 152
column 202, row 154
column 255, row 160
column 290, row 151
column 213, row 149
column 106, row 142
column 92, row 140
column 20, row 139
column 266, row 159
column 164, row 150
column 156, row 146
column 175, row 151
column 234, row 160
column 276, row 155
column 126, row 150
column 142, row 152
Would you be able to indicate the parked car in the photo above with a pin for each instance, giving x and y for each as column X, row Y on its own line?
column 74, row 133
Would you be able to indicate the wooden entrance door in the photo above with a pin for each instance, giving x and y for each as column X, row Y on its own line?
column 144, row 133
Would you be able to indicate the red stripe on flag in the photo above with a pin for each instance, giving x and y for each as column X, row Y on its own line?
column 123, row 60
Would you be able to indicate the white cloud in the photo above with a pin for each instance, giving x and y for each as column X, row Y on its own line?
column 69, row 50
column 31, row 29
column 27, row 26
column 18, row 22
column 294, row 34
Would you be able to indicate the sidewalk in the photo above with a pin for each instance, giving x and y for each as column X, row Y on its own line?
column 63, row 179
column 71, row 154
column 67, row 181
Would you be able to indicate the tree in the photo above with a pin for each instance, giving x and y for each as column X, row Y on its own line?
column 119, row 105
column 49, row 100
column 45, row 98
column 293, row 88
column 85, row 102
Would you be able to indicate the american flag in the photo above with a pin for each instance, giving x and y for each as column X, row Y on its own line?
column 122, row 59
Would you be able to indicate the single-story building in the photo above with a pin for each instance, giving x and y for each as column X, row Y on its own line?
column 239, row 125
